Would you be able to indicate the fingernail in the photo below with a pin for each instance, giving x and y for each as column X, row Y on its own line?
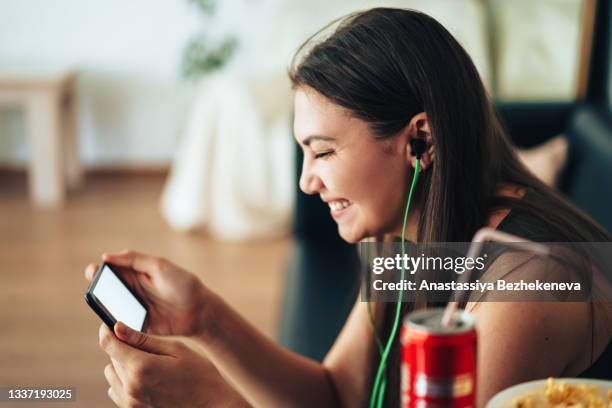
column 122, row 329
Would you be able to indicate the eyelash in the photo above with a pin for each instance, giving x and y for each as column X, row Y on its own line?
column 323, row 154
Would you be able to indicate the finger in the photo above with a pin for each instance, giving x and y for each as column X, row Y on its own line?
column 147, row 342
column 116, row 392
column 134, row 260
column 118, row 385
column 90, row 271
column 114, row 397
column 121, row 399
column 117, row 349
column 113, row 379
column 119, row 370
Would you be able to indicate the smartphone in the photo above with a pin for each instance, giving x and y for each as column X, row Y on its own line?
column 113, row 301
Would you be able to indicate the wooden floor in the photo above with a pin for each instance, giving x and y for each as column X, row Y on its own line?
column 48, row 335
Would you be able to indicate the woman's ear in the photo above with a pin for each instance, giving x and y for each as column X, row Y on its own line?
column 418, row 128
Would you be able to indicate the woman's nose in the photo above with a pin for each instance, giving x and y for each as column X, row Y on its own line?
column 310, row 183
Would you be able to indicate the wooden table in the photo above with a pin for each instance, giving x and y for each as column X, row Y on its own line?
column 48, row 97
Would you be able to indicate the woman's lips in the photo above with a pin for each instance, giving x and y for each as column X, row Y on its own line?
column 339, row 207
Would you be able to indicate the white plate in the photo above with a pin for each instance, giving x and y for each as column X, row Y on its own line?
column 503, row 398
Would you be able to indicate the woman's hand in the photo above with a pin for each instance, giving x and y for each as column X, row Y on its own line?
column 176, row 299
column 161, row 371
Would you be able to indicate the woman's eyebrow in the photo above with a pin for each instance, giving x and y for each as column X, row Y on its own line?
column 309, row 139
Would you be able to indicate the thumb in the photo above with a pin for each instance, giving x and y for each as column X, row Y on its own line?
column 146, row 342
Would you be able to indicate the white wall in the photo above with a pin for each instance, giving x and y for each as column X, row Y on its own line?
column 133, row 102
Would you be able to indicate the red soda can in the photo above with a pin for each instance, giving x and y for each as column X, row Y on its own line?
column 438, row 363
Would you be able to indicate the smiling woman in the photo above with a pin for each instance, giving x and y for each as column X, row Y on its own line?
column 383, row 81
column 386, row 77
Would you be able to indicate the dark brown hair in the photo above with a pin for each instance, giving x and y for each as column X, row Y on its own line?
column 385, row 65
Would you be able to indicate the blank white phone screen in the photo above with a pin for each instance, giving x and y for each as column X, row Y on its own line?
column 118, row 300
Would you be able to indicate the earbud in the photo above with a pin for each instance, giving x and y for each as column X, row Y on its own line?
column 418, row 147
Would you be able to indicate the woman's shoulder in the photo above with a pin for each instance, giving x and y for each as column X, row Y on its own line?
column 521, row 341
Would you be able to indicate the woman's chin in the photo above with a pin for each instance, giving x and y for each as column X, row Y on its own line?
column 350, row 234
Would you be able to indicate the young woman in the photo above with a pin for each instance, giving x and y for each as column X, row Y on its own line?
column 382, row 79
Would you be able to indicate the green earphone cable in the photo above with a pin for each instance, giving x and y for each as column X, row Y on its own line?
column 378, row 391
column 379, row 343
column 375, row 332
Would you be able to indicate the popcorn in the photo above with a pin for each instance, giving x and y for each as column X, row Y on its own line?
column 559, row 394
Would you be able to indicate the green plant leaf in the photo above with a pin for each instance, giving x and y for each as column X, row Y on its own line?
column 205, row 6
column 201, row 56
